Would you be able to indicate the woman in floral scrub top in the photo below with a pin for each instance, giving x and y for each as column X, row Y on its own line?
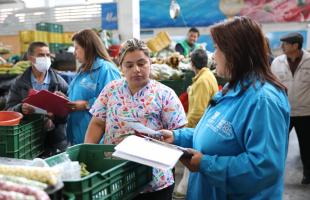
column 139, row 98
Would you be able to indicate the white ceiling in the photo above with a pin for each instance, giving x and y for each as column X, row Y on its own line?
column 51, row 3
column 9, row 1
column 73, row 14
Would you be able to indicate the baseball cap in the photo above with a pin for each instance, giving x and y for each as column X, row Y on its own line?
column 292, row 38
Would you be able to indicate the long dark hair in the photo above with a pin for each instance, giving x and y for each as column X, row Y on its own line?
column 92, row 45
column 244, row 45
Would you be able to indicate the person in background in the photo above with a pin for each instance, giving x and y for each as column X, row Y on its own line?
column 200, row 93
column 188, row 45
column 203, row 88
column 141, row 99
column 293, row 70
column 96, row 71
column 40, row 77
column 240, row 143
column 270, row 55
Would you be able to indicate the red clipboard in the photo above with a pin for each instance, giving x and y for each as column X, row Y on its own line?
column 49, row 101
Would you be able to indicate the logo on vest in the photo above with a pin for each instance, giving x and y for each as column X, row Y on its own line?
column 220, row 126
column 225, row 128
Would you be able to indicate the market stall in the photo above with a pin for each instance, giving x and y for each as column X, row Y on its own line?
column 71, row 174
column 171, row 68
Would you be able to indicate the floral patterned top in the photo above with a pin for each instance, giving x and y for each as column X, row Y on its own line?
column 155, row 105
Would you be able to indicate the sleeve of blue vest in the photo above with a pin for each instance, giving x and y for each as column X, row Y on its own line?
column 184, row 137
column 263, row 161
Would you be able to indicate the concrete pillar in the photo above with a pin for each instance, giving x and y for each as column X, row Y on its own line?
column 308, row 37
column 128, row 16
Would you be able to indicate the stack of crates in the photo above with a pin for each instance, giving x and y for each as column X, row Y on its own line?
column 159, row 42
column 55, row 35
column 50, row 33
column 23, row 141
column 26, row 37
column 67, row 39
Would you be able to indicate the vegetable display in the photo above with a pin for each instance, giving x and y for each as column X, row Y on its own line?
column 84, row 171
column 26, row 190
column 9, row 195
column 24, row 181
column 42, row 174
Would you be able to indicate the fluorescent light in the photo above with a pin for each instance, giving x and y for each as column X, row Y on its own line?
column 34, row 3
column 38, row 13
column 99, row 1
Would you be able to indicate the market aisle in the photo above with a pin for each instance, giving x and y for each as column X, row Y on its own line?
column 293, row 189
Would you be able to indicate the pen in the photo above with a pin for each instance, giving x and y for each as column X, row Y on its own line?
column 186, row 153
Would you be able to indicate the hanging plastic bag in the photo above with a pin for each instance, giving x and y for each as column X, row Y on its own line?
column 174, row 9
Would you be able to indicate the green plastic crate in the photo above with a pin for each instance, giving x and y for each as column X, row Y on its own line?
column 110, row 178
column 55, row 47
column 49, row 27
column 25, row 141
column 180, row 85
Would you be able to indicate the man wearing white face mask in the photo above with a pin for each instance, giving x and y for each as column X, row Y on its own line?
column 42, row 64
column 40, row 77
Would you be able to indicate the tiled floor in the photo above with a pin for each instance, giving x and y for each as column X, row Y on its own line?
column 293, row 189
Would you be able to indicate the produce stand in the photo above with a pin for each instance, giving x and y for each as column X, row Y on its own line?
column 180, row 85
column 29, row 173
column 109, row 178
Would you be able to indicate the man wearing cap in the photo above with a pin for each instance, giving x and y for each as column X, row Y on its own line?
column 293, row 70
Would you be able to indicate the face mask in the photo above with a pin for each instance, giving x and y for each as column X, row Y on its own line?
column 42, row 64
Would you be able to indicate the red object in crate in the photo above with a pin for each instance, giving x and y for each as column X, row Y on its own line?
column 10, row 118
column 114, row 50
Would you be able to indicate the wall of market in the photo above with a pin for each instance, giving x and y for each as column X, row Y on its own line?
column 77, row 17
column 269, row 30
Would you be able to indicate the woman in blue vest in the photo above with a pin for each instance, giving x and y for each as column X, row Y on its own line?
column 239, row 146
column 96, row 71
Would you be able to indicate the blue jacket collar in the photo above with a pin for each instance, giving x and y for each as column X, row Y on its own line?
column 96, row 64
column 238, row 90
